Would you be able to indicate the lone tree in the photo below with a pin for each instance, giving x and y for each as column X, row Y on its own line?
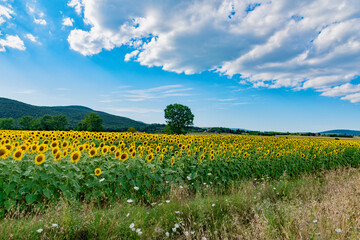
column 179, row 118
column 92, row 123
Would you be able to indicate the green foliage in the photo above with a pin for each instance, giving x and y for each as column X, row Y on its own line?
column 131, row 129
column 7, row 123
column 179, row 118
column 48, row 122
column 92, row 123
column 26, row 122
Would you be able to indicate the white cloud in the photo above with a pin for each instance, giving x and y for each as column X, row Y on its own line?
column 27, row 91
column 68, row 22
column 31, row 37
column 77, row 5
column 40, row 21
column 5, row 13
column 12, row 41
column 296, row 44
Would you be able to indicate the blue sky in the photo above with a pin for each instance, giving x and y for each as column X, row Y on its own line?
column 259, row 65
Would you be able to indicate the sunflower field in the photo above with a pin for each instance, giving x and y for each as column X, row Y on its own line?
column 38, row 167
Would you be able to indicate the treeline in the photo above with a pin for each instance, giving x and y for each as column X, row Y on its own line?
column 92, row 122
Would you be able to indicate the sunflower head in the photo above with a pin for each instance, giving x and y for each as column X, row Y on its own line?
column 133, row 154
column 97, row 171
column 150, row 157
column 3, row 152
column 18, row 154
column 75, row 156
column 172, row 160
column 92, row 152
column 57, row 156
column 124, row 156
column 39, row 159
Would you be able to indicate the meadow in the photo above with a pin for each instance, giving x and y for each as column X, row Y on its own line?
column 42, row 170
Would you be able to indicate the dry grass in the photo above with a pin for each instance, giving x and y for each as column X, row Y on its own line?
column 310, row 207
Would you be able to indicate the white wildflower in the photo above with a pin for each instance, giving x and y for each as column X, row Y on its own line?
column 40, row 230
column 138, row 230
column 167, row 201
column 139, row 233
column 213, row 205
column 315, row 221
column 167, row 234
column 54, row 225
column 176, row 225
column 192, row 232
column 101, row 180
column 136, row 188
column 127, row 215
column 132, row 225
column 338, row 230
column 174, row 229
column 177, row 212
column 181, row 186
column 186, row 233
column 188, row 178
column 130, row 200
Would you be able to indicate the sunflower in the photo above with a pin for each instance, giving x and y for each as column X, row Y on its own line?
column 150, row 157
column 3, row 152
column 54, row 144
column 43, row 148
column 104, row 150
column 64, row 154
column 65, row 144
column 202, row 156
column 124, row 156
column 54, row 151
column 161, row 158
column 97, row 171
column 57, row 156
column 23, row 147
column 39, row 159
column 92, row 152
column 34, row 148
column 172, row 160
column 212, row 157
column 112, row 149
column 81, row 148
column 133, row 154
column 75, row 156
column 18, row 154
column 117, row 153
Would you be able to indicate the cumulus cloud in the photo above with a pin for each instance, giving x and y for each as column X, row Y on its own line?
column 297, row 44
column 11, row 41
column 77, row 5
column 68, row 22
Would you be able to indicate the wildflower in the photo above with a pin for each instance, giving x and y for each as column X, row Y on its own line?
column 315, row 221
column 132, row 225
column 127, row 215
column 138, row 230
column 167, row 201
column 176, row 225
column 39, row 230
column 338, row 230
column 167, row 234
column 174, row 229
column 177, row 212
column 188, row 178
column 101, row 180
column 186, row 233
column 192, row 232
column 130, row 200
column 136, row 188
column 54, row 225
column 213, row 205
column 181, row 187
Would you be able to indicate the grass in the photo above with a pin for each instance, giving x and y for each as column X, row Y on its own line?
column 323, row 206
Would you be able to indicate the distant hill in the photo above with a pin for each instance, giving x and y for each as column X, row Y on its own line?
column 15, row 109
column 342, row 132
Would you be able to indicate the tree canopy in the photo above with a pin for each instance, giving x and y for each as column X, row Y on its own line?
column 179, row 118
column 92, row 123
